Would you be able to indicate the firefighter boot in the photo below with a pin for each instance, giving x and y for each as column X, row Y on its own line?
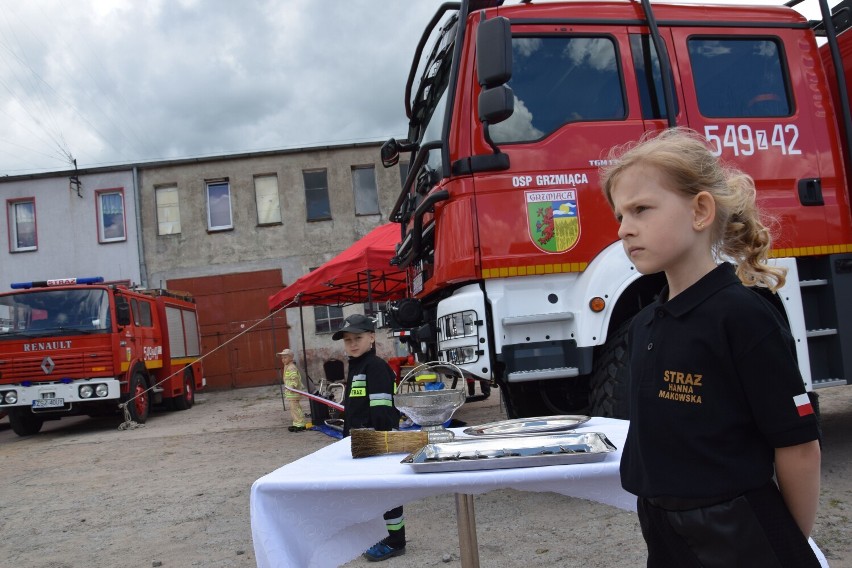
column 382, row 551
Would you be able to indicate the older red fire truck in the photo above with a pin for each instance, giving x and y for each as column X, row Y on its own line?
column 77, row 346
column 516, row 272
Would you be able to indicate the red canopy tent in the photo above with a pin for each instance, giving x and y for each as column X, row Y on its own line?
column 362, row 273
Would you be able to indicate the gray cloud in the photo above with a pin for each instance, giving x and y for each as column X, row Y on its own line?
column 111, row 82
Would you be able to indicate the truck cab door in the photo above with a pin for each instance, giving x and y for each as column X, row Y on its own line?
column 756, row 95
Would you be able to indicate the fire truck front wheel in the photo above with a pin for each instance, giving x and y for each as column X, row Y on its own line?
column 139, row 401
column 24, row 422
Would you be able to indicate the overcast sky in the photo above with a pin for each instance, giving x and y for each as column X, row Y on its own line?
column 120, row 81
column 123, row 81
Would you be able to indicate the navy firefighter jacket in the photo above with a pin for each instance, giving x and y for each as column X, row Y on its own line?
column 368, row 401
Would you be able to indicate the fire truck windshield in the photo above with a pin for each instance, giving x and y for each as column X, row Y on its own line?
column 54, row 312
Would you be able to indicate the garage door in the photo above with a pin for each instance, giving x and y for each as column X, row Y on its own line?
column 238, row 342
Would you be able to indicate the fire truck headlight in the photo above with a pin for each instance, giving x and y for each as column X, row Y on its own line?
column 10, row 397
column 458, row 324
column 86, row 391
column 101, row 390
column 461, row 355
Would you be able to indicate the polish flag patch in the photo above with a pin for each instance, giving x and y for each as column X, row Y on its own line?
column 803, row 404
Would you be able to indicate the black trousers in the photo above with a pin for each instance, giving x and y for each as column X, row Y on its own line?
column 754, row 530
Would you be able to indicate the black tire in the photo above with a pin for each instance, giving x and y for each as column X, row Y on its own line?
column 610, row 394
column 187, row 398
column 138, row 400
column 24, row 422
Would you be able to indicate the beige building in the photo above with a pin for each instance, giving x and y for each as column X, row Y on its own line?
column 234, row 229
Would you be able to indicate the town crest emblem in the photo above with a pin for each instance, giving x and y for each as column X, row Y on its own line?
column 553, row 219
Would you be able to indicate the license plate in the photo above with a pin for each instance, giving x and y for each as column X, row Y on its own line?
column 49, row 403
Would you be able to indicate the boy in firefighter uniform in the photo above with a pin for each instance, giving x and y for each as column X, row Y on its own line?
column 370, row 384
column 293, row 380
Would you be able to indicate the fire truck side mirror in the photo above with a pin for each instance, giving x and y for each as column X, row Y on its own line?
column 496, row 104
column 389, row 153
column 494, row 52
column 391, row 149
column 122, row 311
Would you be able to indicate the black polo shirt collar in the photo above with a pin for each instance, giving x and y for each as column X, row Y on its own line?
column 720, row 277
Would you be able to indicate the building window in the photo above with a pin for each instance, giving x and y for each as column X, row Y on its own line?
column 403, row 173
column 327, row 318
column 22, row 225
column 316, row 195
column 266, row 196
column 168, row 210
column 219, row 206
column 366, row 193
column 111, row 227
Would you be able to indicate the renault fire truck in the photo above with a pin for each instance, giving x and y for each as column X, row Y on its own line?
column 517, row 274
column 76, row 346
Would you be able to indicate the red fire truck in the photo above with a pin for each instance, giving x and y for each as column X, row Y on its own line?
column 78, row 346
column 517, row 275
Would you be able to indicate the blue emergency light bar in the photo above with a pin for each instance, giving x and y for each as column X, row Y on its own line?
column 57, row 282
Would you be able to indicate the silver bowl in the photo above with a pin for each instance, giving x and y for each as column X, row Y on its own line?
column 430, row 409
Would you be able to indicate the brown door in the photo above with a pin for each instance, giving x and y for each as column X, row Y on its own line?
column 238, row 338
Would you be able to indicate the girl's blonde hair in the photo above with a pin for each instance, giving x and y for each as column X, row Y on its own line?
column 683, row 156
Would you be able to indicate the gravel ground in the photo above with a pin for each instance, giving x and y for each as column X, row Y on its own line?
column 175, row 493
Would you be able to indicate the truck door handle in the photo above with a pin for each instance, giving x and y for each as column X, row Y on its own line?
column 810, row 192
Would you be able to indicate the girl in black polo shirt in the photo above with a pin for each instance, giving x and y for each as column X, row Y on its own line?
column 722, row 449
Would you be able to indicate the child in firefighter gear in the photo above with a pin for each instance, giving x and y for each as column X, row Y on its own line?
column 722, row 450
column 293, row 380
column 368, row 400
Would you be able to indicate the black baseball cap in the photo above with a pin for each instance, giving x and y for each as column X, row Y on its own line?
column 356, row 323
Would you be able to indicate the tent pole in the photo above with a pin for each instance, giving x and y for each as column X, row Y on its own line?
column 370, row 293
column 310, row 383
column 278, row 372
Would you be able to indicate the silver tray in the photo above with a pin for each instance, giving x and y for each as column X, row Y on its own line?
column 525, row 426
column 518, row 451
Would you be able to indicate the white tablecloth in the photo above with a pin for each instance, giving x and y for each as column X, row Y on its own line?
column 326, row 508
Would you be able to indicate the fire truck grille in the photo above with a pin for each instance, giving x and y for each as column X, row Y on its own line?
column 57, row 366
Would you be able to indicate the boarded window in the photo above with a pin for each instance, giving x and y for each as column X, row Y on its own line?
column 266, row 196
column 366, row 192
column 168, row 211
